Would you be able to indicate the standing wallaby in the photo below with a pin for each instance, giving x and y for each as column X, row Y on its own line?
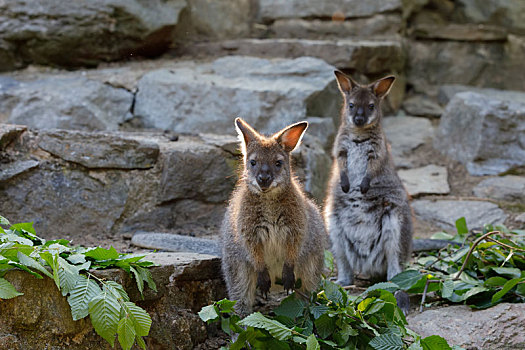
column 271, row 229
column 367, row 211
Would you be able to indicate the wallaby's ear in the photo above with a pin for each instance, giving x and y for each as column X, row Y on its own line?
column 246, row 133
column 290, row 136
column 382, row 87
column 345, row 83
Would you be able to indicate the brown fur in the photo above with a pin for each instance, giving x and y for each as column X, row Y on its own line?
column 271, row 229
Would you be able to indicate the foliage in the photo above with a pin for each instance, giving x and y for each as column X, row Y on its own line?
column 329, row 319
column 482, row 270
column 106, row 302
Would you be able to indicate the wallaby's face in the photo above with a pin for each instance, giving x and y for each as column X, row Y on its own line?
column 267, row 159
column 362, row 106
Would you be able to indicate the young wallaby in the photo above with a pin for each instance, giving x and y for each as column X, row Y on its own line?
column 271, row 229
column 367, row 212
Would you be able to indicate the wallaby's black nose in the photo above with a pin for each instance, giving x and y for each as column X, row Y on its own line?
column 264, row 178
column 359, row 120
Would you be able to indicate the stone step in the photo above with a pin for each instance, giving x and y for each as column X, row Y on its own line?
column 176, row 243
column 364, row 56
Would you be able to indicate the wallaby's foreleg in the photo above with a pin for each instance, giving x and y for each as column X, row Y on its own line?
column 373, row 166
column 345, row 273
column 342, row 162
column 263, row 276
column 242, row 286
column 392, row 234
column 288, row 276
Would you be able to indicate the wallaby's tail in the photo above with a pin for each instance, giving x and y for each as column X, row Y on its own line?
column 176, row 243
column 419, row 245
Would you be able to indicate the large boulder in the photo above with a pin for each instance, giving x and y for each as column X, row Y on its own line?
column 81, row 33
column 444, row 213
column 65, row 102
column 484, row 131
column 270, row 10
column 507, row 188
column 509, row 14
column 499, row 327
column 268, row 94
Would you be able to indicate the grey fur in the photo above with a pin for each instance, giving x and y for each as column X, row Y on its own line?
column 370, row 225
column 282, row 226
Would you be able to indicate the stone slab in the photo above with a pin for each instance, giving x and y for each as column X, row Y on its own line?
column 508, row 188
column 430, row 179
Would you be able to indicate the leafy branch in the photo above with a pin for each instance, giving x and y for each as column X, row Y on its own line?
column 106, row 302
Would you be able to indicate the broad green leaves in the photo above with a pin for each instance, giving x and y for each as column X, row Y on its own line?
column 106, row 302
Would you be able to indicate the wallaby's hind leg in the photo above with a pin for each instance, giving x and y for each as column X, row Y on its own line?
column 345, row 273
column 391, row 233
column 241, row 286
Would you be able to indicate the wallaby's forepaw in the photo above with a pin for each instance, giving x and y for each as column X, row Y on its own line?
column 365, row 185
column 345, row 183
column 288, row 277
column 263, row 282
column 403, row 301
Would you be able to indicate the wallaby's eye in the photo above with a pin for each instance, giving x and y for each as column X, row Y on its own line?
column 351, row 105
column 371, row 106
column 279, row 163
column 253, row 162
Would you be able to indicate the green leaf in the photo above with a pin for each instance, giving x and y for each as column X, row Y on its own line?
column 434, row 342
column 104, row 311
column 275, row 328
column 226, row 305
column 126, row 333
column 312, row 343
column 389, row 286
column 77, row 259
column 4, row 221
column 30, row 262
column 7, row 290
column 290, row 307
column 208, row 313
column 138, row 279
column 461, row 226
column 387, row 341
column 26, row 226
column 318, row 310
column 496, row 281
column 448, row 289
column 141, row 319
column 68, row 275
column 117, row 290
column 406, row 279
column 102, row 254
column 140, row 342
column 85, row 290
column 511, row 272
column 506, row 288
column 146, row 275
column 325, row 326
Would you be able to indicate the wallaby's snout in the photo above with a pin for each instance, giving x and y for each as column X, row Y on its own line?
column 264, row 177
column 360, row 117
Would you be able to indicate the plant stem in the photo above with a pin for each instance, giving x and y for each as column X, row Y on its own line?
column 476, row 242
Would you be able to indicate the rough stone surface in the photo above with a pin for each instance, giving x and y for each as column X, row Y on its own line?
column 11, row 170
column 215, row 19
column 447, row 92
column 483, row 131
column 66, row 103
column 521, row 218
column 431, row 179
column 185, row 282
column 8, row 133
column 499, row 327
column 42, row 31
column 275, row 9
column 376, row 26
column 322, row 128
column 444, row 213
column 509, row 14
column 268, row 94
column 176, row 243
column 422, row 106
column 100, row 150
column 460, row 32
column 508, row 188
column 366, row 56
column 405, row 134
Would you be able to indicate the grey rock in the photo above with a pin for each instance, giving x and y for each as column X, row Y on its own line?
column 508, row 188
column 366, row 56
column 382, row 25
column 268, row 94
column 430, row 179
column 66, row 103
column 444, row 213
column 521, row 218
column 422, row 106
column 447, row 92
column 215, row 19
column 486, row 132
column 10, row 170
column 176, row 243
column 499, row 327
column 42, row 31
column 99, row 150
column 405, row 134
column 8, row 133
column 460, row 32
column 322, row 128
column 276, row 9
column 510, row 14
